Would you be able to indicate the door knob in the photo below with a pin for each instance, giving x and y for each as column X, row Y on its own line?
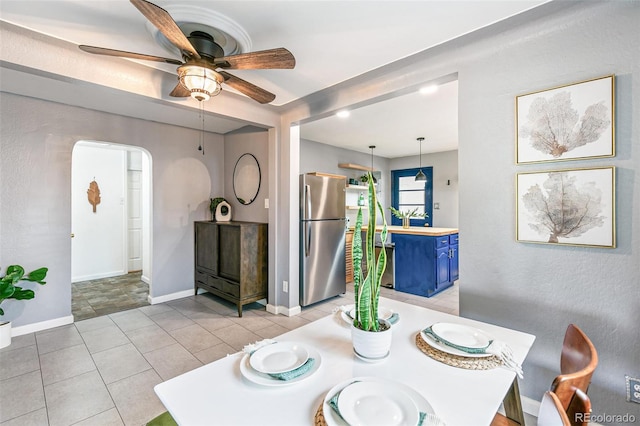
column 73, row 235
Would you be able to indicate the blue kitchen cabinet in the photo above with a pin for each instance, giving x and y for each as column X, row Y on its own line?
column 453, row 257
column 425, row 265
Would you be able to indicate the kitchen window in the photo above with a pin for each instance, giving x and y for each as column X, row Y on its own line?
column 408, row 194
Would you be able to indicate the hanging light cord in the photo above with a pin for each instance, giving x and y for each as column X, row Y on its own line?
column 372, row 147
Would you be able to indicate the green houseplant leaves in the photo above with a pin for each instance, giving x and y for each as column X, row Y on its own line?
column 367, row 288
column 15, row 273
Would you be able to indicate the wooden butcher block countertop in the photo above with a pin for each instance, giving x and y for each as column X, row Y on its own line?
column 416, row 230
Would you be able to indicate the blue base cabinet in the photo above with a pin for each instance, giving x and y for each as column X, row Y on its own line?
column 453, row 257
column 425, row 265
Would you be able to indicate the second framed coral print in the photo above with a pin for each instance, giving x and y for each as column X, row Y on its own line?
column 566, row 123
column 575, row 207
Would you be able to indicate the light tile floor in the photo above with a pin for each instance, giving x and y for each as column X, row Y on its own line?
column 101, row 371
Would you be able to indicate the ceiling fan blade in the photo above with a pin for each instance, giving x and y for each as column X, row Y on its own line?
column 124, row 54
column 251, row 90
column 180, row 92
column 167, row 26
column 279, row 58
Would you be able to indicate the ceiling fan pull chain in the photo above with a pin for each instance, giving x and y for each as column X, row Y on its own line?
column 201, row 146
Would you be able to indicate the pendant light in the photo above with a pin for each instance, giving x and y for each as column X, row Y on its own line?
column 421, row 176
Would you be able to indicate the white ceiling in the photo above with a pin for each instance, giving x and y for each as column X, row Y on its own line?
column 394, row 125
column 333, row 41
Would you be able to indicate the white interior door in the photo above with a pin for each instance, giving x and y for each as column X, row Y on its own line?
column 98, row 248
column 134, row 219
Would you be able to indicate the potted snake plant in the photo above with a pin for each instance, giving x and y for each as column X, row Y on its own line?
column 9, row 289
column 371, row 336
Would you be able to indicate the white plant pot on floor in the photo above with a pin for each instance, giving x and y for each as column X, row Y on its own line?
column 371, row 346
column 5, row 334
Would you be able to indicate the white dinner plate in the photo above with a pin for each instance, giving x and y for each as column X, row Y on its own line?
column 266, row 380
column 448, row 349
column 332, row 418
column 461, row 335
column 279, row 357
column 375, row 403
column 349, row 313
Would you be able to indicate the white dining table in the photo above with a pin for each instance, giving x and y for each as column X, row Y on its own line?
column 218, row 393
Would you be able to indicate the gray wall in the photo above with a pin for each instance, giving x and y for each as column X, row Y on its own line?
column 445, row 183
column 536, row 288
column 253, row 141
column 35, row 194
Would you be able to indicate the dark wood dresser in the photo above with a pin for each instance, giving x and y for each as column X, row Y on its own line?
column 231, row 260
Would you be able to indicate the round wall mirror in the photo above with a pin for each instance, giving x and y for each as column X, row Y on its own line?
column 246, row 179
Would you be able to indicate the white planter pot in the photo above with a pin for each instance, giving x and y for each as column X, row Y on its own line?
column 371, row 345
column 5, row 334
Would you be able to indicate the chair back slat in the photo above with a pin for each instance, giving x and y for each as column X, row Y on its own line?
column 579, row 410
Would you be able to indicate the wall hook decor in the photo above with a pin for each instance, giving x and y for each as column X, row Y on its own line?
column 93, row 194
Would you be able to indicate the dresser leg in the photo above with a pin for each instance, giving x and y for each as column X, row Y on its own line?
column 240, row 310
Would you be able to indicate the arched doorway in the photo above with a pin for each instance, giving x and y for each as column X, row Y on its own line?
column 110, row 218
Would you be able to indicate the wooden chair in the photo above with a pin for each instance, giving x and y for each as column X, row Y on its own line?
column 579, row 410
column 578, row 361
column 552, row 413
column 577, row 364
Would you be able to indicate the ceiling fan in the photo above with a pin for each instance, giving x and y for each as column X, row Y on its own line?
column 203, row 70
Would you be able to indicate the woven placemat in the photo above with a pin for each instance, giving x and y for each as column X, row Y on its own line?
column 470, row 363
column 318, row 419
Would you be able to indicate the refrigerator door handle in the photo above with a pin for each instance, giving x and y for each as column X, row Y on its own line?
column 307, row 238
column 307, row 213
column 307, row 202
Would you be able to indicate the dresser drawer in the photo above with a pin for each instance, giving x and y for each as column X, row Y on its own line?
column 216, row 283
column 201, row 277
column 453, row 239
column 231, row 288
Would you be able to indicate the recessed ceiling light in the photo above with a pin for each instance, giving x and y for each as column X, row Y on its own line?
column 343, row 114
column 427, row 90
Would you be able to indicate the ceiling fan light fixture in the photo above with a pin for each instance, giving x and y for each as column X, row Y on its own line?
column 201, row 82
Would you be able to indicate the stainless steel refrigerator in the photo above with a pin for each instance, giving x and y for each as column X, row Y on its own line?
column 322, row 238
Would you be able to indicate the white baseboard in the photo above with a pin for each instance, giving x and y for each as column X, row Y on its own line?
column 39, row 326
column 98, row 276
column 145, row 279
column 289, row 312
column 170, row 297
column 530, row 405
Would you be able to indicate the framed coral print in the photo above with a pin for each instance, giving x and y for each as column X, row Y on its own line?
column 566, row 123
column 573, row 207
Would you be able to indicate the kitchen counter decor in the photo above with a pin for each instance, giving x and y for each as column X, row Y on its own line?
column 407, row 215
